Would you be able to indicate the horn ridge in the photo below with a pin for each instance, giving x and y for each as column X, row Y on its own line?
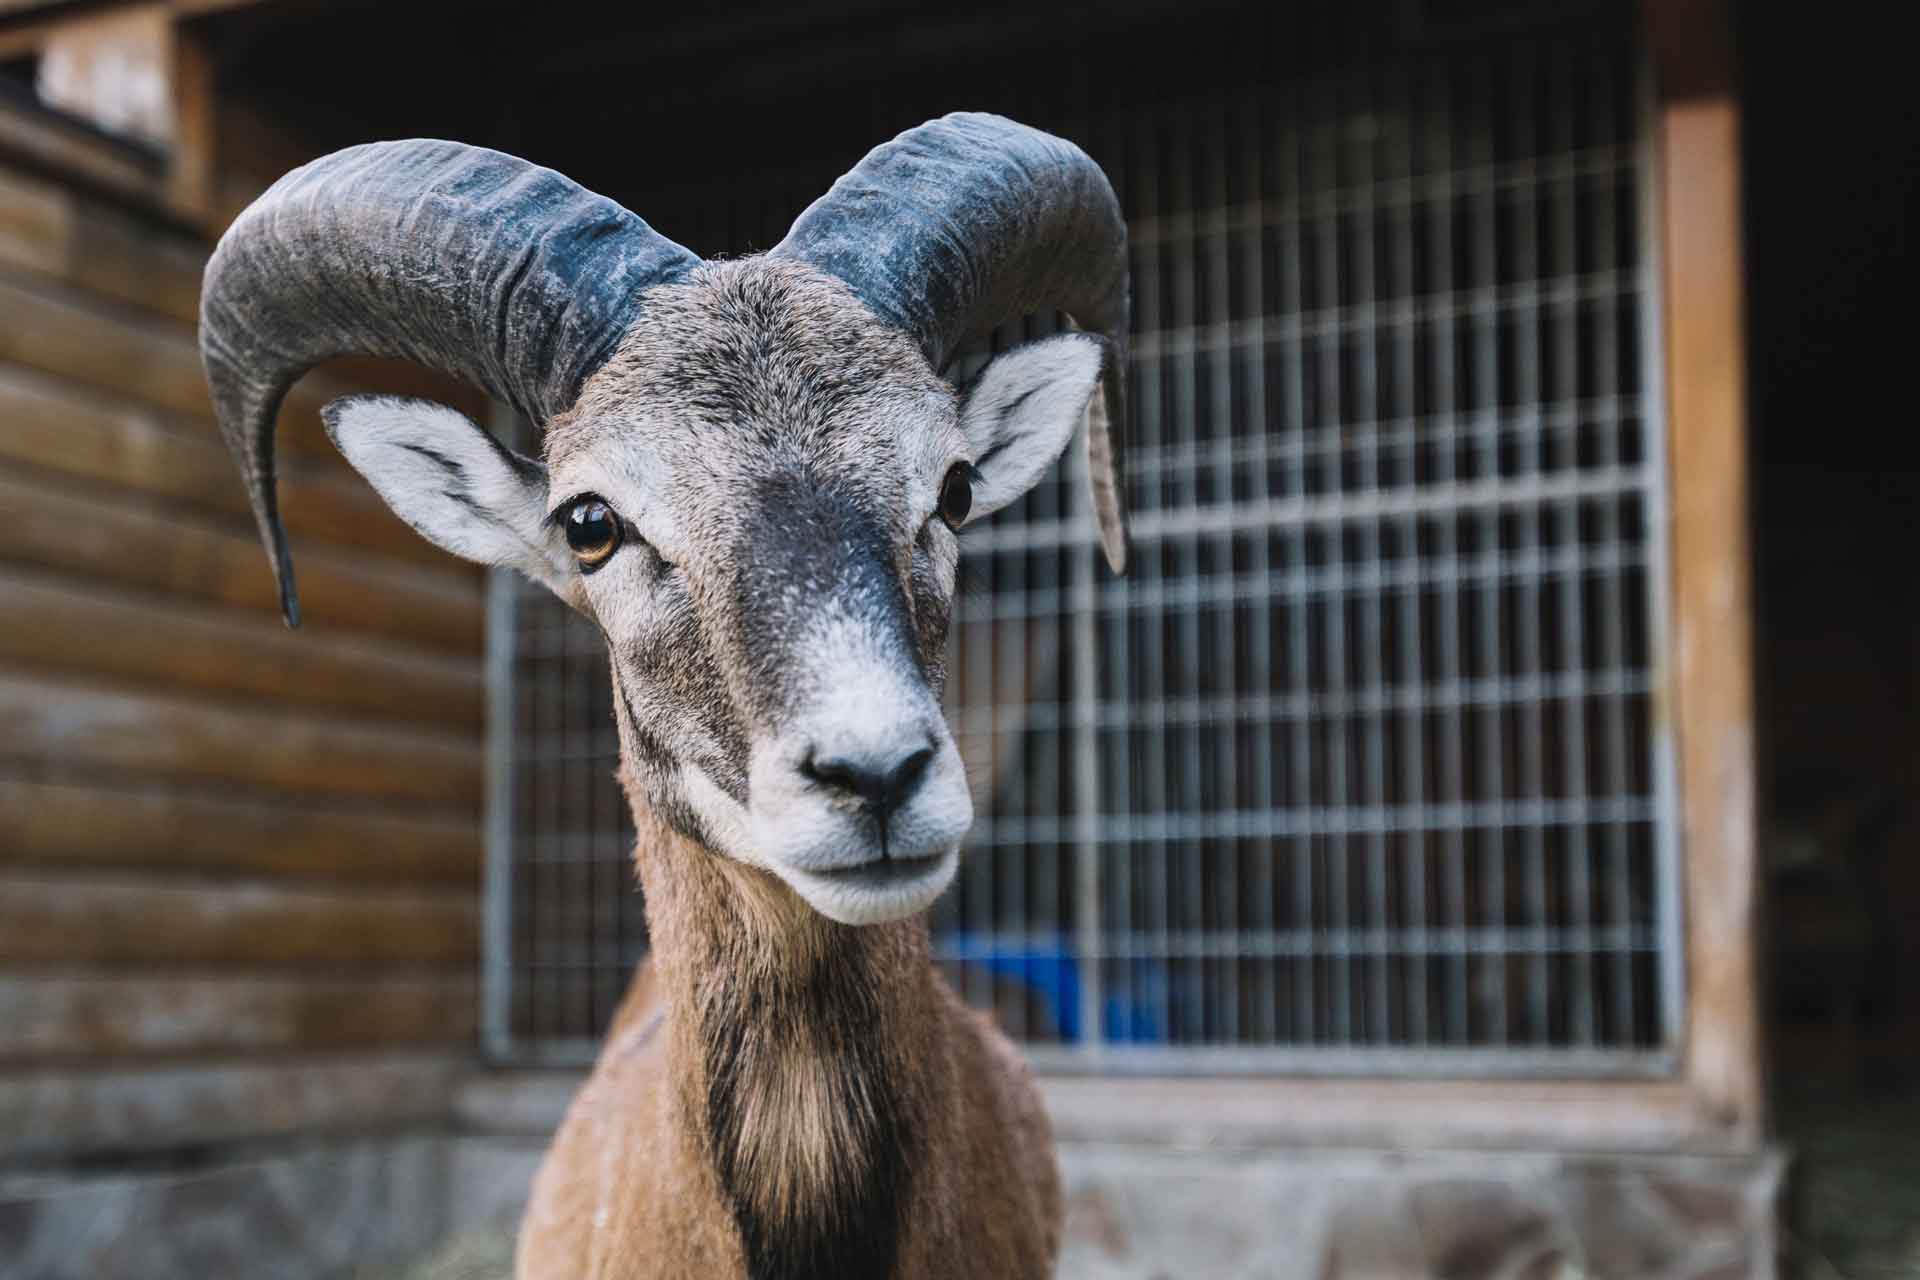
column 966, row 222
column 472, row 262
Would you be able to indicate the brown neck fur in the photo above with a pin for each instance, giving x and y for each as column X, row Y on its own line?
column 807, row 1057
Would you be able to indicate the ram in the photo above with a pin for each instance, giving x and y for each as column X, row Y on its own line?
column 752, row 477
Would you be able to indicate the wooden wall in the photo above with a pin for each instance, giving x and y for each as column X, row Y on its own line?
column 239, row 865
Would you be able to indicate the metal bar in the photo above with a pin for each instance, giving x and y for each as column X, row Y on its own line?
column 496, row 937
column 1572, row 613
column 1211, row 1060
column 1306, row 1029
column 1266, row 985
column 1669, row 888
column 1531, row 745
column 1221, row 776
column 1088, row 832
column 1343, row 823
column 1483, row 269
column 1517, row 1063
column 1411, row 735
column 1485, row 498
column 1387, row 193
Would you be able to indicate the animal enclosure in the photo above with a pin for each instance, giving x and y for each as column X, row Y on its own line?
column 1361, row 768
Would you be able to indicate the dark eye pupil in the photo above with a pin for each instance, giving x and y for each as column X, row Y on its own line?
column 592, row 530
column 956, row 496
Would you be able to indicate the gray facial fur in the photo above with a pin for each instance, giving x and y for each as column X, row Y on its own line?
column 802, row 442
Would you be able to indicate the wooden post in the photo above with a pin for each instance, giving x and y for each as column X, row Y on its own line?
column 1704, row 294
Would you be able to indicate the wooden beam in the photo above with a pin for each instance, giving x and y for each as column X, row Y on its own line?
column 100, row 247
column 67, row 334
column 97, row 1016
column 59, row 428
column 1713, row 704
column 48, row 142
column 1239, row 1113
column 144, row 360
column 62, row 1112
column 128, row 545
column 88, row 634
column 63, row 920
column 1223, row 1115
column 193, row 177
column 44, row 724
column 69, row 825
column 1691, row 43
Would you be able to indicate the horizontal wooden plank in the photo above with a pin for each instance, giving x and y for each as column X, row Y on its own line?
column 46, row 141
column 84, row 633
column 96, row 1016
column 67, row 920
column 36, row 222
column 44, row 722
column 61, row 1112
column 147, row 359
column 157, row 362
column 57, row 426
column 143, row 548
column 54, row 230
column 65, row 824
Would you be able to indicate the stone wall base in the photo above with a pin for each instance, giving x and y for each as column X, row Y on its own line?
column 357, row 1208
column 1137, row 1214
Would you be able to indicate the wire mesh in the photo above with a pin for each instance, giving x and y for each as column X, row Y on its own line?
column 1360, row 767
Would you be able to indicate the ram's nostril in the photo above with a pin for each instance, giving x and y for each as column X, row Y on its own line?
column 882, row 783
column 906, row 775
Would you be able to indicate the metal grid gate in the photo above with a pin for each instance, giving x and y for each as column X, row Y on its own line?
column 1360, row 768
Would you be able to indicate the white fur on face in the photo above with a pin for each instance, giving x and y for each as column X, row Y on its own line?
column 1021, row 411
column 866, row 703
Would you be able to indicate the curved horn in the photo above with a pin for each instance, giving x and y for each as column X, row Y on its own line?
column 472, row 262
column 972, row 220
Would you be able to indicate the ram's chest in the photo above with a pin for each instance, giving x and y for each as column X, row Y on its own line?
column 811, row 1143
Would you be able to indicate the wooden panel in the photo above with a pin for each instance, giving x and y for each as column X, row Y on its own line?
column 77, row 632
column 63, row 825
column 1713, row 603
column 125, row 544
column 116, row 256
column 71, row 1016
column 52, row 425
column 35, row 222
column 153, row 361
column 43, row 723
column 62, row 1112
column 158, row 363
column 49, row 142
column 92, row 921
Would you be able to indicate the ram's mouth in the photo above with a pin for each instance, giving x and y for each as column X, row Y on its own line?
column 877, row 891
column 885, row 873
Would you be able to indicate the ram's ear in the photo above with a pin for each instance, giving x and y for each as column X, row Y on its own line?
column 1023, row 408
column 454, row 483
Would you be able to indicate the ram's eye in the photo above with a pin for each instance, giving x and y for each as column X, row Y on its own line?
column 593, row 532
column 956, row 495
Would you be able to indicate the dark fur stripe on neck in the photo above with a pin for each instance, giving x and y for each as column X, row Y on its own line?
column 847, row 1227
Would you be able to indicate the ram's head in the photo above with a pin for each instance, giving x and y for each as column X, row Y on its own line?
column 753, row 471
